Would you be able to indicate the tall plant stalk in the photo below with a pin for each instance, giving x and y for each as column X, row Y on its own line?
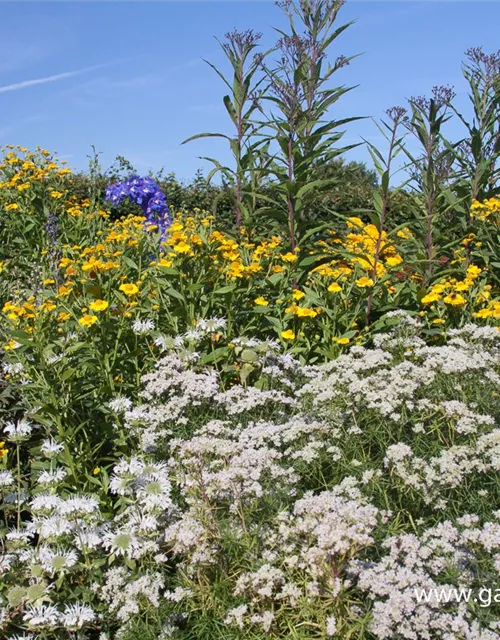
column 477, row 157
column 300, row 97
column 384, row 167
column 432, row 169
column 240, row 104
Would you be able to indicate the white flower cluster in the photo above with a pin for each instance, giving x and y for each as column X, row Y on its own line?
column 322, row 497
column 420, row 565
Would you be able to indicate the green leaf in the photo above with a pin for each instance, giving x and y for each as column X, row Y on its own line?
column 172, row 293
column 67, row 374
column 224, row 290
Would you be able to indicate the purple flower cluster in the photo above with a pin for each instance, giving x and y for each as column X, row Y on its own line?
column 147, row 194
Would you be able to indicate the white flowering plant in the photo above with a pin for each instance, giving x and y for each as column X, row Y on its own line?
column 304, row 501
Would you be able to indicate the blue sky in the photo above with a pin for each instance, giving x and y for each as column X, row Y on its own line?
column 129, row 78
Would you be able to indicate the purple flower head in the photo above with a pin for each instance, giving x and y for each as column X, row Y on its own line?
column 147, row 194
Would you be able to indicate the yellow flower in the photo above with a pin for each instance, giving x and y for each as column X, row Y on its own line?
column 439, row 288
column 48, row 281
column 484, row 294
column 288, row 335
column 341, row 340
column 261, row 302
column 289, row 257
column 354, row 223
column 300, row 312
column 87, row 320
column 297, row 294
column 129, row 289
column 463, row 285
column 64, row 290
column 236, row 270
column 96, row 470
column 430, row 298
column 56, row 195
column 364, row 282
column 393, row 261
column 182, row 247
column 334, row 287
column 473, row 271
column 483, row 313
column 438, row 321
column 99, row 305
column 65, row 262
column 12, row 207
column 63, row 316
column 11, row 344
column 455, row 299
column 165, row 262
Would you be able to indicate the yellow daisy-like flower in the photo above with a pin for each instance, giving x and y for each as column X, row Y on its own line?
column 99, row 305
column 288, row 335
column 364, row 282
column 483, row 313
column 12, row 207
column 438, row 321
column 393, row 261
column 455, row 299
column 289, row 257
column 334, row 287
column 430, row 298
column 165, row 262
column 484, row 294
column 129, row 289
column 63, row 316
column 473, row 271
column 261, row 302
column 182, row 247
column 463, row 285
column 439, row 287
column 297, row 294
column 302, row 312
column 341, row 340
column 87, row 320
